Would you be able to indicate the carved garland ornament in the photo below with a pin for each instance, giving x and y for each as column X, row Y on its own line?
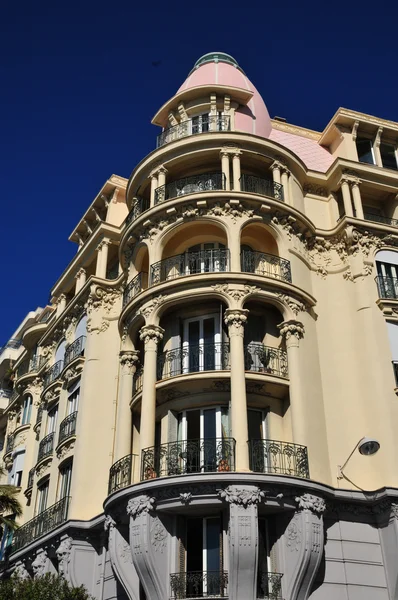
column 141, row 505
column 313, row 503
column 243, row 497
column 40, row 563
column 151, row 332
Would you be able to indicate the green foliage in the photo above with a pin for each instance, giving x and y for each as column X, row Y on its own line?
column 9, row 503
column 48, row 587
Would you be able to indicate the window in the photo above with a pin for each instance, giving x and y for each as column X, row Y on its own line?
column 52, row 418
column 206, row 122
column 267, row 587
column 65, row 481
column 388, row 156
column 42, row 497
column 27, row 409
column 202, row 344
column 365, row 151
column 15, row 477
column 73, row 398
column 206, row 258
column 60, row 353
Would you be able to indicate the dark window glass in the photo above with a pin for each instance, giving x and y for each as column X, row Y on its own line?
column 364, row 148
column 388, row 157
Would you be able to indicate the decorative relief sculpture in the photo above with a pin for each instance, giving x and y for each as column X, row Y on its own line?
column 293, row 535
column 313, row 503
column 291, row 328
column 63, row 553
column 142, row 504
column 243, row 497
column 21, row 572
column 40, row 563
column 151, row 333
column 158, row 535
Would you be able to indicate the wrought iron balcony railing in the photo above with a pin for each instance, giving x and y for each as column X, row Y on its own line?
column 138, row 379
column 381, row 219
column 206, row 182
column 268, row 265
column 31, row 477
column 139, row 206
column 188, row 456
column 265, row 187
column 193, row 358
column 9, row 444
column 43, row 523
column 199, row 584
column 120, row 473
column 14, row 395
column 74, row 350
column 264, row 359
column 134, row 287
column 395, row 367
column 387, row 286
column 46, row 446
column 53, row 373
column 11, row 344
column 272, row 456
column 269, row 586
column 189, row 127
column 28, row 366
column 67, row 427
column 215, row 260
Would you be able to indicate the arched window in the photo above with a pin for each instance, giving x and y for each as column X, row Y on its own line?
column 387, row 273
column 81, row 327
column 60, row 353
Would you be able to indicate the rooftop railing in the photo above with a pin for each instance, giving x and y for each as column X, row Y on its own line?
column 210, row 123
column 188, row 456
column 206, row 182
column 74, row 350
column 275, row 457
column 214, row 260
column 44, row 522
column 264, row 359
column 268, row 265
column 193, row 358
column 265, row 187
column 387, row 286
column 199, row 584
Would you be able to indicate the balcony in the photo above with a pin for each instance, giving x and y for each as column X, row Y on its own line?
column 264, row 187
column 215, row 260
column 280, row 458
column 134, row 287
column 9, row 444
column 269, row 586
column 188, row 456
column 380, row 219
column 206, row 182
column 266, row 265
column 139, row 206
column 264, row 359
column 387, row 286
column 53, row 373
column 27, row 366
column 31, row 477
column 67, row 428
column 46, row 521
column 193, row 359
column 213, row 123
column 199, row 584
column 11, row 345
column 46, row 447
column 74, row 350
column 120, row 473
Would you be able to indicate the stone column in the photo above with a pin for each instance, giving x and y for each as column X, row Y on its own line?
column 235, row 319
column 356, row 196
column 345, row 190
column 128, row 365
column 293, row 331
column 162, row 172
column 376, row 147
column 102, row 259
column 152, row 335
column 154, row 185
column 61, row 304
column 236, row 169
column 225, row 168
column 81, row 278
column 285, row 184
column 276, row 171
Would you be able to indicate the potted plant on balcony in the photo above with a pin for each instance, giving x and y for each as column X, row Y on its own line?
column 150, row 473
column 223, row 465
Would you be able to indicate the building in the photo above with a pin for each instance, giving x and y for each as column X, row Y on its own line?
column 223, row 339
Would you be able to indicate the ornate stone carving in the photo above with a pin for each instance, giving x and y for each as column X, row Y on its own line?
column 109, row 523
column 236, row 318
column 100, row 307
column 63, row 553
column 295, row 305
column 42, row 470
column 142, row 504
column 293, row 536
column 147, row 310
column 128, row 361
column 244, row 497
column 151, row 333
column 291, row 328
column 317, row 190
column 40, row 563
column 65, row 450
column 185, row 497
column 313, row 503
column 72, row 373
column 21, row 572
column 158, row 535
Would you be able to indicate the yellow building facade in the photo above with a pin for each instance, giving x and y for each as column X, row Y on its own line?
column 226, row 334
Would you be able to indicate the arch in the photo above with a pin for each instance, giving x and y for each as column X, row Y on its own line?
column 389, row 255
column 181, row 298
column 60, row 351
column 81, row 327
column 180, row 237
column 140, row 258
column 264, row 297
column 259, row 238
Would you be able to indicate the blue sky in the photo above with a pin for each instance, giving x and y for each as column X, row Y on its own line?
column 78, row 91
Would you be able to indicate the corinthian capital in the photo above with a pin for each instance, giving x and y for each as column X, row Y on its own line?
column 235, row 318
column 150, row 333
column 128, row 360
column 313, row 503
column 289, row 329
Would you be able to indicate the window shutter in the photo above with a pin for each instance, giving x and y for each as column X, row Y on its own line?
column 172, row 426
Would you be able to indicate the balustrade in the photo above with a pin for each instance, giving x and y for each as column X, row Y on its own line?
column 206, row 182
column 46, row 447
column 74, row 350
column 214, row 260
column 263, row 359
column 67, row 427
column 272, row 456
column 208, row 124
column 43, row 523
column 193, row 358
column 268, row 265
column 199, row 584
column 120, row 473
column 265, row 187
